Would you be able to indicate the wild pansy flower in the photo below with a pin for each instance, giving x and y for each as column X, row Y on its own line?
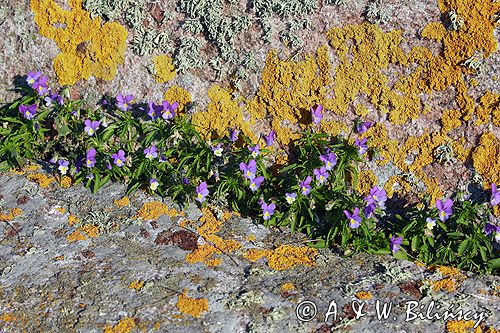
column 185, row 181
column 290, row 197
column 53, row 97
column 153, row 184
column 354, row 218
column 32, row 77
column 233, row 135
column 269, row 139
column 430, row 223
column 369, row 210
column 249, row 169
column 124, row 101
column 218, row 150
column 255, row 183
column 396, row 243
column 321, row 174
column 495, row 195
column 28, row 112
column 305, row 186
column 361, row 144
column 444, row 209
column 63, row 166
column 169, row 110
column 40, row 86
column 267, row 210
column 91, row 126
column 317, row 114
column 90, row 158
column 201, row 192
column 254, row 150
column 363, row 127
column 151, row 152
column 377, row 196
column 119, row 158
column 154, row 110
column 330, row 160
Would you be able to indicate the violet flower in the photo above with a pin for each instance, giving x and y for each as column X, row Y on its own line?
column 321, row 174
column 269, row 139
column 91, row 126
column 249, row 169
column 363, row 127
column 495, row 195
column 169, row 110
column 489, row 228
column 317, row 114
column 151, row 152
column 254, row 150
column 28, row 112
column 396, row 243
column 202, row 192
column 305, row 186
column 267, row 210
column 40, row 86
column 369, row 210
column 153, row 184
column 90, row 158
column 154, row 110
column 444, row 209
column 290, row 197
column 124, row 101
column 63, row 166
column 119, row 158
column 377, row 196
column 185, row 181
column 233, row 136
column 330, row 160
column 217, row 150
column 361, row 144
column 354, row 218
column 255, row 183
column 32, row 77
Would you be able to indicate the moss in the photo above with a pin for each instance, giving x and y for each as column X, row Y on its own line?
column 486, row 159
column 191, row 306
column 164, row 68
column 87, row 46
column 125, row 325
column 179, row 95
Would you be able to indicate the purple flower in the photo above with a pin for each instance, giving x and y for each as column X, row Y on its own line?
column 233, row 136
column 28, row 112
column 495, row 195
column 32, row 77
column 53, row 97
column 269, row 139
column 267, row 210
column 321, row 174
column 255, row 183
column 201, row 191
column 63, row 166
column 154, row 110
column 369, row 210
column 254, row 150
column 218, row 150
column 119, row 158
column 444, row 209
column 151, row 152
column 90, row 158
column 396, row 243
column 290, row 197
column 41, row 86
column 91, row 126
column 489, row 228
column 153, row 184
column 363, row 127
column 377, row 196
column 109, row 166
column 169, row 110
column 317, row 114
column 185, row 180
column 305, row 185
column 361, row 144
column 124, row 101
column 249, row 169
column 330, row 160
column 354, row 218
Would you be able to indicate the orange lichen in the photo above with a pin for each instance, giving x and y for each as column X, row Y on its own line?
column 448, row 284
column 450, row 120
column 164, row 68
column 255, row 254
column 191, row 306
column 154, row 209
column 363, row 295
column 66, row 181
column 489, row 104
column 75, row 236
column 179, row 95
column 288, row 286
column 125, row 201
column 58, row 258
column 14, row 212
column 379, row 140
column 396, row 184
column 448, row 271
column 486, row 159
column 136, row 285
column 285, row 256
column 461, row 326
column 7, row 317
column 41, row 179
column 72, row 220
column 91, row 230
column 61, row 210
column 125, row 325
column 88, row 47
column 88, row 230
column 366, row 180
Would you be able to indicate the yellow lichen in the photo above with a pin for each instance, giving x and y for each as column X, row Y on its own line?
column 14, row 212
column 488, row 105
column 7, row 317
column 61, row 210
column 72, row 220
column 88, row 47
column 41, row 179
column 125, row 325
column 285, row 256
column 191, row 306
column 255, row 254
column 91, row 230
column 461, row 326
column 366, row 180
column 154, row 209
column 75, row 236
column 288, row 286
column 179, row 95
column 450, row 120
column 136, row 285
column 66, row 181
column 486, row 159
column 164, row 68
column 125, row 201
column 58, row 258
column 448, row 284
column 363, row 295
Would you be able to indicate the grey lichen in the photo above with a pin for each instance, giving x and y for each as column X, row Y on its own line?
column 444, row 154
column 453, row 21
column 475, row 63
column 187, row 56
column 375, row 13
column 336, row 2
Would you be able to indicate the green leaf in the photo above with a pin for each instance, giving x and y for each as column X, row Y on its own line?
column 463, row 247
column 494, row 264
column 383, row 251
column 401, row 254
